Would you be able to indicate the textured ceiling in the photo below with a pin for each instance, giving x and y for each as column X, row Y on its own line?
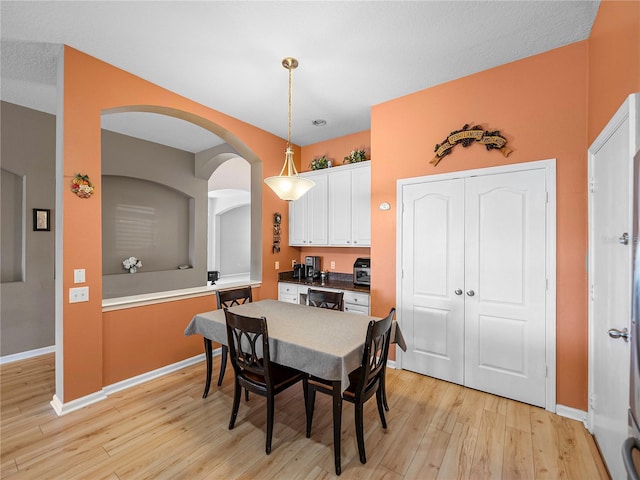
column 227, row 55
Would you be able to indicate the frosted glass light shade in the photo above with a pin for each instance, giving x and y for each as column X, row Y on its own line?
column 289, row 187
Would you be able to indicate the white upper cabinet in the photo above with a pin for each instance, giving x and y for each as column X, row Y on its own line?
column 337, row 211
column 308, row 214
column 350, row 206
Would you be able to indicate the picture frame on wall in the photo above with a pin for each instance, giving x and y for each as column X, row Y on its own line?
column 41, row 219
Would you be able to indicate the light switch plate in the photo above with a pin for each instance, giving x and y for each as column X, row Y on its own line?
column 78, row 275
column 78, row 294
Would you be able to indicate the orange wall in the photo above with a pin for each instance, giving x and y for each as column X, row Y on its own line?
column 539, row 105
column 94, row 345
column 614, row 61
column 337, row 148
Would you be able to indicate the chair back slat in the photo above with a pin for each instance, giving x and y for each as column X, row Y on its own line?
column 233, row 297
column 248, row 340
column 324, row 299
column 376, row 352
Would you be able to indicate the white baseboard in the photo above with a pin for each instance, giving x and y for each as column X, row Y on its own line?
column 391, row 364
column 64, row 408
column 28, row 354
column 145, row 377
column 572, row 413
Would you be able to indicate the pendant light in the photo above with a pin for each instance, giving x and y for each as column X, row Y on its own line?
column 289, row 185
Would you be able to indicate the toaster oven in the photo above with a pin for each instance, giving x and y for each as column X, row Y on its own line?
column 362, row 271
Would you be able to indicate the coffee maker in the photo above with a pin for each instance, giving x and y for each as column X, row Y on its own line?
column 311, row 268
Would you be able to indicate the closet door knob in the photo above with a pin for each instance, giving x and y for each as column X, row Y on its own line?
column 471, row 293
column 458, row 292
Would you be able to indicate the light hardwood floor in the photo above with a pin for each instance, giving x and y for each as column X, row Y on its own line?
column 163, row 429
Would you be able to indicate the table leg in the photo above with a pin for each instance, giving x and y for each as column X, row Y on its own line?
column 337, row 423
column 209, row 356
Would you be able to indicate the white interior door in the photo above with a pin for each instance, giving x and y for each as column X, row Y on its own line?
column 505, row 285
column 433, row 270
column 610, row 290
column 473, row 282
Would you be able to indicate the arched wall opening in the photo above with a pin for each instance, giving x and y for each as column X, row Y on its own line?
column 120, row 345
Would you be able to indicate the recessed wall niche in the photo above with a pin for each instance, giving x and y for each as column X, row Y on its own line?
column 13, row 226
column 146, row 220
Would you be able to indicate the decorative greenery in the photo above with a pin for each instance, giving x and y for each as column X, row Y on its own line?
column 319, row 163
column 355, row 156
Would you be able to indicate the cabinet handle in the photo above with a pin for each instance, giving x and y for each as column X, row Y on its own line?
column 355, row 241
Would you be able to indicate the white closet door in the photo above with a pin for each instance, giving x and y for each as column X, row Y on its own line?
column 505, row 285
column 433, row 269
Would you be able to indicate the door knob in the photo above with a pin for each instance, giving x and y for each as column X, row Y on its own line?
column 471, row 293
column 458, row 292
column 624, row 239
column 615, row 333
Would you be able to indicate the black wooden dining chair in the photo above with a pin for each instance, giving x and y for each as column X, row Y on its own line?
column 325, row 299
column 225, row 298
column 365, row 381
column 248, row 341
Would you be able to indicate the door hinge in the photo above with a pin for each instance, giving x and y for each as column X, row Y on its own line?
column 592, row 184
column 546, row 284
column 592, row 401
column 592, row 292
column 546, row 371
column 546, row 200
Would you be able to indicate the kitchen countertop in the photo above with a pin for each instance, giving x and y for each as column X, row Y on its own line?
column 339, row 281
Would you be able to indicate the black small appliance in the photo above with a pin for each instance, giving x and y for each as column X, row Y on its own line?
column 362, row 271
column 213, row 276
column 312, row 267
column 298, row 271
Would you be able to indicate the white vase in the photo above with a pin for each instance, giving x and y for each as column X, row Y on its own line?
column 133, row 270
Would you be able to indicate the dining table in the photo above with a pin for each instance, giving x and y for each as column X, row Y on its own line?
column 325, row 343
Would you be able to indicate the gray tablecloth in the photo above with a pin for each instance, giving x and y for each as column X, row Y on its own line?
column 321, row 342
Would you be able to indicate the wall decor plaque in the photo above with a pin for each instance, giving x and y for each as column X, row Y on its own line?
column 492, row 140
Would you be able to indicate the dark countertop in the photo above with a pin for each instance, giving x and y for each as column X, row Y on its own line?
column 339, row 281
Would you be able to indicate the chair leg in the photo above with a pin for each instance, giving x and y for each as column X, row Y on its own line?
column 310, row 402
column 246, row 395
column 236, row 404
column 359, row 410
column 380, row 402
column 337, row 425
column 270, row 412
column 223, row 362
column 383, row 385
column 208, row 355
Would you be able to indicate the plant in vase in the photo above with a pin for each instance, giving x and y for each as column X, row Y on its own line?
column 355, row 156
column 132, row 264
column 319, row 163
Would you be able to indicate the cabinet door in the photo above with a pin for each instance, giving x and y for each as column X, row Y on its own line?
column 361, row 206
column 298, row 221
column 340, row 208
column 317, row 212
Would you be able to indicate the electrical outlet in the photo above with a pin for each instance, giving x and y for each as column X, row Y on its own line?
column 333, row 264
column 78, row 275
column 277, row 265
column 78, row 294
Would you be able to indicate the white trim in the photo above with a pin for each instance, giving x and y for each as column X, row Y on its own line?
column 549, row 166
column 159, row 372
column 64, row 408
column 391, row 364
column 120, row 303
column 572, row 413
column 28, row 354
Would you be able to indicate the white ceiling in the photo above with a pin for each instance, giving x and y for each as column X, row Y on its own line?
column 227, row 54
